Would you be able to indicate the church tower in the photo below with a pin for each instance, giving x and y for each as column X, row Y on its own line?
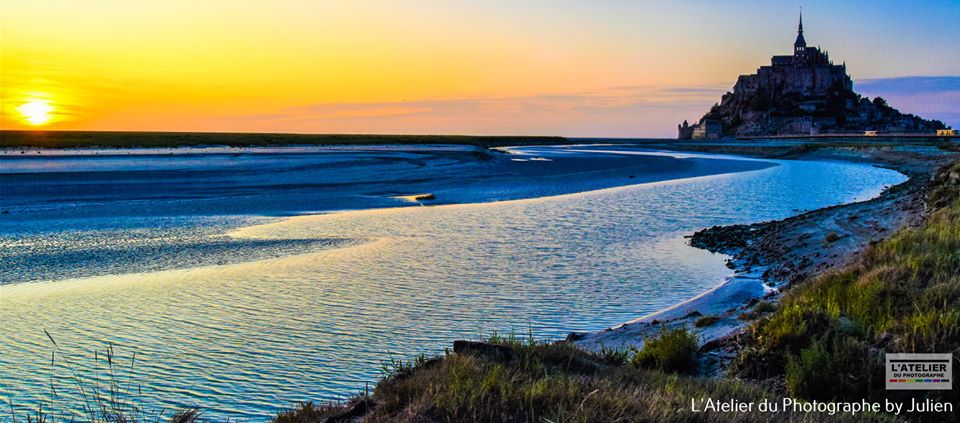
column 800, row 46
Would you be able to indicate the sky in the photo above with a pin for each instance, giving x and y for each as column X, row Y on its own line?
column 520, row 67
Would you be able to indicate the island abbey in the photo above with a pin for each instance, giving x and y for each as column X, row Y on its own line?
column 799, row 94
column 808, row 72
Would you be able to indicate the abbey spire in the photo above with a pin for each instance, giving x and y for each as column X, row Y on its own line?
column 801, row 43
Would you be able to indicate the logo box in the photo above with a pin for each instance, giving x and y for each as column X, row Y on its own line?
column 919, row 371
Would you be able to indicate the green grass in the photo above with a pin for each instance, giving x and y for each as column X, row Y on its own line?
column 834, row 367
column 759, row 310
column 671, row 350
column 828, row 338
column 79, row 139
column 765, row 307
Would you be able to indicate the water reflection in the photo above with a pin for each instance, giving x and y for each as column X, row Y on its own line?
column 243, row 339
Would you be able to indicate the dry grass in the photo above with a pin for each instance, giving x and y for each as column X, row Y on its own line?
column 111, row 396
column 541, row 382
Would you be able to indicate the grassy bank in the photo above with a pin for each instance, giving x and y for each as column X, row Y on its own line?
column 522, row 380
column 81, row 139
column 824, row 342
column 903, row 295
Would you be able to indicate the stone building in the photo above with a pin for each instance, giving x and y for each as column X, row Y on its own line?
column 706, row 129
column 808, row 72
column 803, row 93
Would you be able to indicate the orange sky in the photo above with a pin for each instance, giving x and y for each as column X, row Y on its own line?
column 614, row 68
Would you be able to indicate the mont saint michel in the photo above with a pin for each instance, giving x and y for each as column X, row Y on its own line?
column 801, row 94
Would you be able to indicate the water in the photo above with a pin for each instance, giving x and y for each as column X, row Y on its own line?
column 241, row 314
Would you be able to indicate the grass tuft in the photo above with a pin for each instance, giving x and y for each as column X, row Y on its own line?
column 672, row 350
column 108, row 397
column 705, row 321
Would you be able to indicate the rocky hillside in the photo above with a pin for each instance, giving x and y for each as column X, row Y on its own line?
column 772, row 112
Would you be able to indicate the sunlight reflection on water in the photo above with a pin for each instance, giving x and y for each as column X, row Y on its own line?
column 241, row 340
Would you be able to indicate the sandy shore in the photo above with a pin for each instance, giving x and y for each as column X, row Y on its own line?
column 768, row 257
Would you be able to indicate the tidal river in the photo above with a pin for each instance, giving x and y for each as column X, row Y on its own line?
column 245, row 280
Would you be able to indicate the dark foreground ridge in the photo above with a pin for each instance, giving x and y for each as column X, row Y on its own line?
column 510, row 379
column 107, row 139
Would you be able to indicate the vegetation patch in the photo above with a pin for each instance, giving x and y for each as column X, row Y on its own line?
column 705, row 321
column 759, row 310
column 828, row 338
column 832, row 237
column 672, row 350
column 540, row 382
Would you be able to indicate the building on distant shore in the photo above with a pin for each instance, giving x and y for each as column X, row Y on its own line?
column 799, row 94
column 706, row 129
column 807, row 72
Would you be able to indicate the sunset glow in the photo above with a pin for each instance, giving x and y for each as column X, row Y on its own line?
column 469, row 67
column 36, row 112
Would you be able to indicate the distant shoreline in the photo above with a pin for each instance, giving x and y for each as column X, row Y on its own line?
column 120, row 139
column 41, row 139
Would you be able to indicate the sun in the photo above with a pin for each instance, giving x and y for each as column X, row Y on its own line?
column 36, row 112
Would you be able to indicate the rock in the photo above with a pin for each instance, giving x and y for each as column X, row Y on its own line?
column 422, row 197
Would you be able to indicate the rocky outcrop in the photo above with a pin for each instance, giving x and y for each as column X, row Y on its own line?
column 771, row 112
